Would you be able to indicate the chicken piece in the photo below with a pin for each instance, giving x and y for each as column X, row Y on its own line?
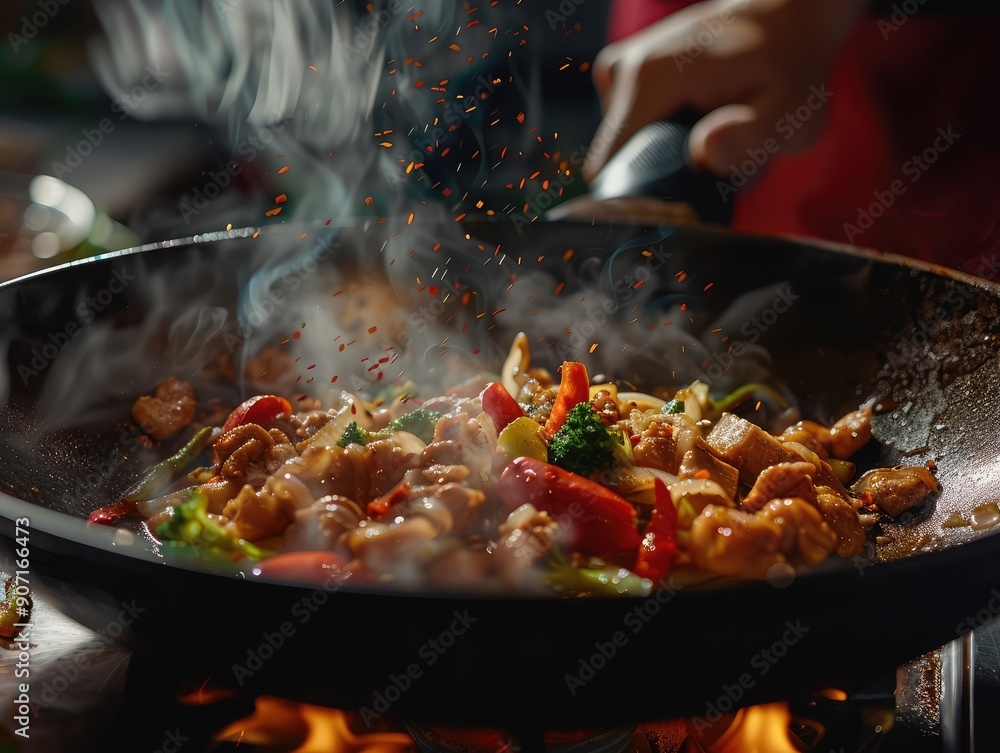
column 750, row 449
column 699, row 462
column 782, row 480
column 850, row 433
column 164, row 414
column 657, row 448
column 785, row 532
column 843, row 520
column 386, row 463
column 606, row 406
column 537, row 400
column 896, row 490
column 239, row 446
column 256, row 515
column 446, row 452
column 810, row 434
column 526, row 538
column 323, row 524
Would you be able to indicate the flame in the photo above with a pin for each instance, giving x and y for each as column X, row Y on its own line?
column 313, row 729
column 757, row 729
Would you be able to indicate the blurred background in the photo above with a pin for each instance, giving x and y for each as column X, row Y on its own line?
column 132, row 121
column 129, row 121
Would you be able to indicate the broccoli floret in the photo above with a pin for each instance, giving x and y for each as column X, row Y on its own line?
column 673, row 407
column 190, row 524
column 419, row 422
column 583, row 444
column 354, row 434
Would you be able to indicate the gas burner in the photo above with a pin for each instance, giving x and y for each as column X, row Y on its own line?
column 435, row 739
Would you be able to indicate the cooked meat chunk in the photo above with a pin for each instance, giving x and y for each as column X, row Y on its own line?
column 242, row 445
column 606, row 407
column 526, row 539
column 810, row 434
column 164, row 414
column 850, row 433
column 896, row 490
column 657, row 448
column 786, row 531
column 782, row 480
column 750, row 449
column 254, row 515
column 699, row 462
column 843, row 519
column 536, row 400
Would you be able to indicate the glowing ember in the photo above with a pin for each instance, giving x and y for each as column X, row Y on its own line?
column 313, row 729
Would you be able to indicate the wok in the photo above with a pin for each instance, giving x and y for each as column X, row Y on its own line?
column 826, row 325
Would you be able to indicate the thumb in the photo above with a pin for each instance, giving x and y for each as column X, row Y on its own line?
column 726, row 137
column 729, row 136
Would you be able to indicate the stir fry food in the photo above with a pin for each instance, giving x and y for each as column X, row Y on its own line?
column 530, row 480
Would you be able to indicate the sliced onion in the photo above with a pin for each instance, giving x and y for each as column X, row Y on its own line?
column 701, row 487
column 489, row 429
column 410, row 444
column 515, row 367
column 642, row 401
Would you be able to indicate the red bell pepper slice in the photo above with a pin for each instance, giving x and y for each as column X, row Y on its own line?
column 261, row 410
column 658, row 549
column 594, row 518
column 111, row 515
column 306, row 567
column 399, row 493
column 499, row 405
column 574, row 388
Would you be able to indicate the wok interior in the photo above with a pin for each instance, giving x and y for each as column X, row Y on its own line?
column 652, row 306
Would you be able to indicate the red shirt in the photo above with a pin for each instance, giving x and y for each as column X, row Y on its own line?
column 909, row 161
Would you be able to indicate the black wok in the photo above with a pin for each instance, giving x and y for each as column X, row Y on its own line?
column 829, row 326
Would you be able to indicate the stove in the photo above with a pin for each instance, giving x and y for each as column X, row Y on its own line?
column 89, row 693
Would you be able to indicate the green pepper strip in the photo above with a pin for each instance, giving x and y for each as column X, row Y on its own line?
column 166, row 471
column 741, row 395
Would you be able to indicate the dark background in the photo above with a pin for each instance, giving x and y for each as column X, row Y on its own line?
column 150, row 165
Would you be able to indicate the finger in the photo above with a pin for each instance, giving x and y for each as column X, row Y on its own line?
column 603, row 72
column 726, row 138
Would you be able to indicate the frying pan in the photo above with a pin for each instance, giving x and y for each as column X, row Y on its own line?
column 830, row 327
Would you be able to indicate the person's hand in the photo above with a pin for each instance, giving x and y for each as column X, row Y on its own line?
column 748, row 64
